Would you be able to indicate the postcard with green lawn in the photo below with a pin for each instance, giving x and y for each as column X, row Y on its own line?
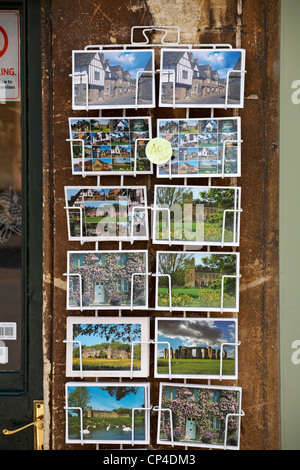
column 101, row 213
column 107, row 413
column 107, row 347
column 193, row 215
column 197, row 281
column 196, row 348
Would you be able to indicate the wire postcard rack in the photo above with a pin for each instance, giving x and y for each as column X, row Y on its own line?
column 165, row 31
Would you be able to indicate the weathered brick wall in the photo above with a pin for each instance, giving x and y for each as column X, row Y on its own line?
column 253, row 25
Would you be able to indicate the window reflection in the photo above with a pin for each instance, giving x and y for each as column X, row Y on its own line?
column 10, row 228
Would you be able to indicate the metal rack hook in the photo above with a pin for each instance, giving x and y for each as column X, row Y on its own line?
column 80, row 354
column 155, row 28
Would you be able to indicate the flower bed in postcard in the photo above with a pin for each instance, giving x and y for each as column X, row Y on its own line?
column 196, row 280
column 199, row 414
column 185, row 297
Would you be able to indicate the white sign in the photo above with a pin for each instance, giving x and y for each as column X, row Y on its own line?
column 8, row 330
column 9, row 56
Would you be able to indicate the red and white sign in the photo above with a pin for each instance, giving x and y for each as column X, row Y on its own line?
column 9, row 56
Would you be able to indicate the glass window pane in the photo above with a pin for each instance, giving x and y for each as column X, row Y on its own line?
column 10, row 194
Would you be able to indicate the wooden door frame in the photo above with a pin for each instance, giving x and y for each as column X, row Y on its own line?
column 19, row 389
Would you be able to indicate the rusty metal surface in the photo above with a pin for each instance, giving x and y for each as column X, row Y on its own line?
column 253, row 25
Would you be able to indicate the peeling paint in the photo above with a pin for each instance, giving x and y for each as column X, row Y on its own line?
column 58, row 283
column 255, row 283
column 179, row 13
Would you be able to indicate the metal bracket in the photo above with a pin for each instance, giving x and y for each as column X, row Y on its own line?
column 135, row 155
column 157, row 408
column 80, row 417
column 236, row 276
column 227, row 83
column 154, row 209
column 82, row 144
column 148, row 409
column 221, row 355
column 234, row 224
column 150, row 342
column 80, row 288
column 81, row 220
column 80, row 354
column 155, row 28
column 83, row 74
column 131, row 287
column 226, row 425
column 152, row 72
column 223, row 153
column 170, row 288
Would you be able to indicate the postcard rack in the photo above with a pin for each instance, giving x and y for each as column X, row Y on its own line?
column 152, row 74
column 165, row 30
column 155, row 210
column 150, row 342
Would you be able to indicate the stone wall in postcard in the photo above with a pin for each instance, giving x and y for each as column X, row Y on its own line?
column 71, row 25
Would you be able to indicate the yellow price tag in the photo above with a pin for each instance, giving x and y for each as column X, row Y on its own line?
column 159, row 151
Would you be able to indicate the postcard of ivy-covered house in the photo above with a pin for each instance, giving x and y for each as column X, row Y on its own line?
column 107, row 413
column 107, row 280
column 199, row 416
column 113, row 79
column 201, row 148
column 110, row 145
column 196, row 348
column 106, row 213
column 197, row 281
column 107, row 347
column 198, row 78
column 193, row 215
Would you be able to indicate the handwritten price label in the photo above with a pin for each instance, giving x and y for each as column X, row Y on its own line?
column 159, row 151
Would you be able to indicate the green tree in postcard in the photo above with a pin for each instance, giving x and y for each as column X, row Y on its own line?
column 220, row 197
column 173, row 264
column 79, row 398
column 224, row 264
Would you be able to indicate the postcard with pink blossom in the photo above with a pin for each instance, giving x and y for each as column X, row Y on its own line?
column 199, row 416
column 107, row 280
